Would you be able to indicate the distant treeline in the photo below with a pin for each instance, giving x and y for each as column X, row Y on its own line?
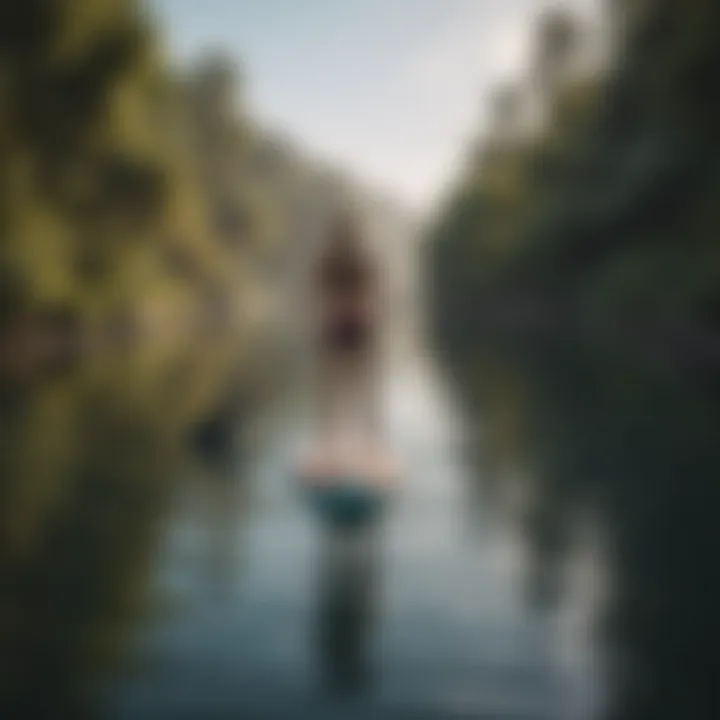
column 603, row 216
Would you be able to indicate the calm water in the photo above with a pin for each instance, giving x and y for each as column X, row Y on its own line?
column 159, row 564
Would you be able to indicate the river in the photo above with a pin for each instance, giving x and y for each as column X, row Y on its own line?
column 240, row 561
column 159, row 562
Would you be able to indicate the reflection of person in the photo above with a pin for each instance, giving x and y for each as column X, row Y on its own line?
column 346, row 610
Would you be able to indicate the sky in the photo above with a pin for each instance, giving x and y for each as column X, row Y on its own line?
column 390, row 89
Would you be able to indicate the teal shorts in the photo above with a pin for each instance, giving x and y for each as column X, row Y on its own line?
column 346, row 503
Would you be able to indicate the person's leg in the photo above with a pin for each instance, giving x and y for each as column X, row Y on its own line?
column 347, row 608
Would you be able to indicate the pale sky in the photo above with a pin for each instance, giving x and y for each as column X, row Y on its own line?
column 389, row 89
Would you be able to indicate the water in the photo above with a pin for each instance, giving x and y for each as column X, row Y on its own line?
column 448, row 637
column 158, row 562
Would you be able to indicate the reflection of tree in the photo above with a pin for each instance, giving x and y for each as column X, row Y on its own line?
column 634, row 448
column 73, row 594
column 88, row 465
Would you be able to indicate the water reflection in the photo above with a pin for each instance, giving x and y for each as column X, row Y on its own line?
column 599, row 449
column 90, row 461
column 348, row 586
column 156, row 561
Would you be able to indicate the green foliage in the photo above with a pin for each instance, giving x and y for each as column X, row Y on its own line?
column 124, row 191
column 612, row 204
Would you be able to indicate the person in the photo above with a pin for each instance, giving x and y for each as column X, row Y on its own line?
column 348, row 306
column 348, row 311
column 348, row 471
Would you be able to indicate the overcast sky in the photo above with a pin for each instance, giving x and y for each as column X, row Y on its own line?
column 390, row 89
